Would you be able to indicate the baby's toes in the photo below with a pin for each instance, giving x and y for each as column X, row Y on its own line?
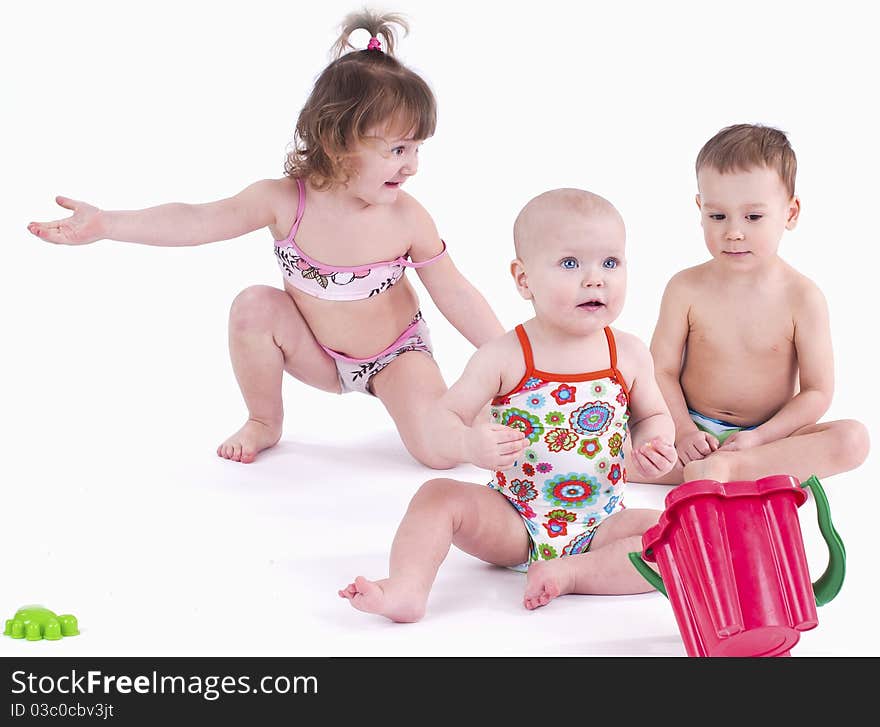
column 348, row 592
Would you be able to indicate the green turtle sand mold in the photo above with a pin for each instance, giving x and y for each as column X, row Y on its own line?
column 38, row 622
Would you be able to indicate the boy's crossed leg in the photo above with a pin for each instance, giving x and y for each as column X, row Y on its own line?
column 823, row 449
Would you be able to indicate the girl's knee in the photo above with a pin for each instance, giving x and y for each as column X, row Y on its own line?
column 253, row 307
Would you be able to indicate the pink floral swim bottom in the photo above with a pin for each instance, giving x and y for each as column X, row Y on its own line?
column 356, row 374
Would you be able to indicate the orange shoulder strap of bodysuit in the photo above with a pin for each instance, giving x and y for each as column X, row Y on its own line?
column 612, row 347
column 526, row 348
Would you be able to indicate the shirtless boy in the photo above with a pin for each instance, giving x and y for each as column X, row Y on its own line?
column 742, row 346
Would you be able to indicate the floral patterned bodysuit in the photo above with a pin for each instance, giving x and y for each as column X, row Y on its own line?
column 571, row 476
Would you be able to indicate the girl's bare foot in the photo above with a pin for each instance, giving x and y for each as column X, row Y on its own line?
column 250, row 440
column 547, row 579
column 399, row 602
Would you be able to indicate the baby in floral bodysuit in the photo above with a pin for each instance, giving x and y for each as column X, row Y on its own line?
column 574, row 388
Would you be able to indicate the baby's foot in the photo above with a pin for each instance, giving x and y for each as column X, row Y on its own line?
column 250, row 440
column 717, row 466
column 396, row 601
column 547, row 579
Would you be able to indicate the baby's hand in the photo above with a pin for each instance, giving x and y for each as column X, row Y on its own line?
column 654, row 458
column 494, row 446
column 695, row 445
column 82, row 227
column 742, row 440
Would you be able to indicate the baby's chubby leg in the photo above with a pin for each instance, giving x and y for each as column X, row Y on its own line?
column 603, row 570
column 475, row 518
column 267, row 336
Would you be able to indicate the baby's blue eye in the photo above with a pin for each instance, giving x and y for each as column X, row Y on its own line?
column 718, row 217
column 398, row 150
column 610, row 263
column 569, row 263
column 753, row 218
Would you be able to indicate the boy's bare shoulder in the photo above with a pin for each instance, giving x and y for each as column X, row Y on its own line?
column 804, row 295
column 688, row 279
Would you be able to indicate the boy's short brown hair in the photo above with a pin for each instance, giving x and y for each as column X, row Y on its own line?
column 743, row 146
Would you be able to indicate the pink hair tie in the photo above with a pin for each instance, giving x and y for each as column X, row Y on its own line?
column 374, row 44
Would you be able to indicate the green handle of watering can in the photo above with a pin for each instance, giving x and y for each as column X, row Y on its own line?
column 831, row 581
column 647, row 572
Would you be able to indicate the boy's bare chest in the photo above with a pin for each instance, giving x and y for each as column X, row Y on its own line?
column 737, row 325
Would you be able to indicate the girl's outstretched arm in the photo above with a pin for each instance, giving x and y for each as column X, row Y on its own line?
column 168, row 225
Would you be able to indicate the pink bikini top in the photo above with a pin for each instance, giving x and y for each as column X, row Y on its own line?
column 335, row 282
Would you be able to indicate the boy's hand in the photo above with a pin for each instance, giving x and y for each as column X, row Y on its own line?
column 742, row 440
column 494, row 446
column 694, row 446
column 654, row 458
column 82, row 227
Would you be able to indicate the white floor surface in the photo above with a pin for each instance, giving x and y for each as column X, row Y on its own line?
column 164, row 551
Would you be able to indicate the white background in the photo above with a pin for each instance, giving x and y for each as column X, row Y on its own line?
column 116, row 385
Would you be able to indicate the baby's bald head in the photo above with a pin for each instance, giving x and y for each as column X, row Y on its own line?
column 544, row 216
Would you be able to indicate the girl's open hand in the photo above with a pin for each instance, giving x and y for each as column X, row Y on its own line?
column 81, row 228
column 654, row 458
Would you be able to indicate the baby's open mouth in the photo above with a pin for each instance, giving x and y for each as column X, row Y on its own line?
column 592, row 304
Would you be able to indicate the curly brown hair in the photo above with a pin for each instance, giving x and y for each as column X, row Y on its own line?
column 357, row 92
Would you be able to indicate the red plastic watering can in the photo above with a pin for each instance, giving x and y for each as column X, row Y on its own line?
column 732, row 563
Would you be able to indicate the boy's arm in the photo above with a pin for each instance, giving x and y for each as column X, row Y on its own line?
column 812, row 341
column 168, row 225
column 482, row 443
column 455, row 296
column 651, row 425
column 668, row 350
